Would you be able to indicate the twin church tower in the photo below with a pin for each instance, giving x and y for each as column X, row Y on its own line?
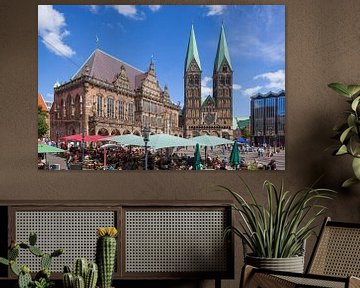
column 212, row 116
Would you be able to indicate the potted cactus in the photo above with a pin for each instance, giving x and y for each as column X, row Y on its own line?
column 85, row 275
column 42, row 278
column 106, row 254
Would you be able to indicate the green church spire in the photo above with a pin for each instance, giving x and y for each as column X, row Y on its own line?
column 192, row 51
column 222, row 51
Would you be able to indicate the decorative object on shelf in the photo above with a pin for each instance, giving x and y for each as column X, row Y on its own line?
column 276, row 233
column 85, row 275
column 42, row 278
column 106, row 254
column 349, row 132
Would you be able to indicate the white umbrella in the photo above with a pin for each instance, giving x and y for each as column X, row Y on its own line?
column 159, row 141
column 127, row 140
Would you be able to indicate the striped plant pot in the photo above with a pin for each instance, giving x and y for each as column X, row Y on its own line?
column 291, row 264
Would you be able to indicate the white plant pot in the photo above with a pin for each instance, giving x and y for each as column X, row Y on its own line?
column 291, row 264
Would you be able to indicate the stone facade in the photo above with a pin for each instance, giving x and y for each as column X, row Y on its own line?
column 110, row 97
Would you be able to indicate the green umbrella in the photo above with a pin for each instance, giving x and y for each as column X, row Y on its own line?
column 197, row 158
column 43, row 148
column 235, row 155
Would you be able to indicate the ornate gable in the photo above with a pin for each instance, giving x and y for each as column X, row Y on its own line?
column 121, row 79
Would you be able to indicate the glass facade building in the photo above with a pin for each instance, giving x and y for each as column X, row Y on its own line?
column 268, row 119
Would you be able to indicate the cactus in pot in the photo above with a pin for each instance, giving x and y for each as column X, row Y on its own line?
column 85, row 275
column 106, row 254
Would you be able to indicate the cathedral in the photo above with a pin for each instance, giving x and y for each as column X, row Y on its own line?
column 213, row 116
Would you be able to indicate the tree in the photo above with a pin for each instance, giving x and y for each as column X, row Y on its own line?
column 245, row 133
column 43, row 127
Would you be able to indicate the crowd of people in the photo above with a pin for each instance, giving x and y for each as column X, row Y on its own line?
column 133, row 158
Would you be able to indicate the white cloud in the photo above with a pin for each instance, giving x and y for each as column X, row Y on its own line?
column 252, row 46
column 129, row 11
column 276, row 80
column 51, row 28
column 154, row 8
column 94, row 8
column 206, row 89
column 236, row 87
column 252, row 91
column 215, row 10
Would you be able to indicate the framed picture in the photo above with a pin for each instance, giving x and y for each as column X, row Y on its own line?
column 161, row 87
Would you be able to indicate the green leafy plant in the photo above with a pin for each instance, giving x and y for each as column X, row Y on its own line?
column 280, row 229
column 42, row 278
column 349, row 131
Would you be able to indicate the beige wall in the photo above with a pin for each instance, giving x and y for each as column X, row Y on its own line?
column 322, row 46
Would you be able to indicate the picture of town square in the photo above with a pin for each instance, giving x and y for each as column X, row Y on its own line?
column 161, row 87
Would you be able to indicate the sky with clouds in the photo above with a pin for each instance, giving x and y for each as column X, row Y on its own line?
column 68, row 34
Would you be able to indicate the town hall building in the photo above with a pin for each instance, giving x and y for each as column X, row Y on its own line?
column 110, row 97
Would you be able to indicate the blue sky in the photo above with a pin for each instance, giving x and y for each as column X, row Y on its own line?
column 255, row 36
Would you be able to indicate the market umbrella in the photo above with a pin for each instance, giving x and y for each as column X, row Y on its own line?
column 43, row 148
column 235, row 155
column 159, row 141
column 209, row 140
column 87, row 138
column 127, row 140
column 197, row 158
column 242, row 140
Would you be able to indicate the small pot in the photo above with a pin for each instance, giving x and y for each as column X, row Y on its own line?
column 291, row 264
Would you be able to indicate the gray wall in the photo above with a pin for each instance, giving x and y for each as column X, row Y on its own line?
column 322, row 46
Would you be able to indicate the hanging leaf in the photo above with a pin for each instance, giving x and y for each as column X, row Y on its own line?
column 354, row 145
column 349, row 182
column 355, row 103
column 340, row 88
column 342, row 150
column 353, row 89
column 356, row 167
column 351, row 120
column 345, row 134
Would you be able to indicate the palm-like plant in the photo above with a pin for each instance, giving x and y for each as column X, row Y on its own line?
column 280, row 229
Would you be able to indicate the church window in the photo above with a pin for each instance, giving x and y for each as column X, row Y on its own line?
column 226, row 92
column 121, row 110
column 197, row 80
column 110, row 107
column 224, row 69
column 220, row 93
column 228, row 80
column 99, row 106
column 222, row 80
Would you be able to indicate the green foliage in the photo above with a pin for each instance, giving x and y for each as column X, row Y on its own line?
column 349, row 131
column 245, row 132
column 42, row 278
column 279, row 229
column 43, row 127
